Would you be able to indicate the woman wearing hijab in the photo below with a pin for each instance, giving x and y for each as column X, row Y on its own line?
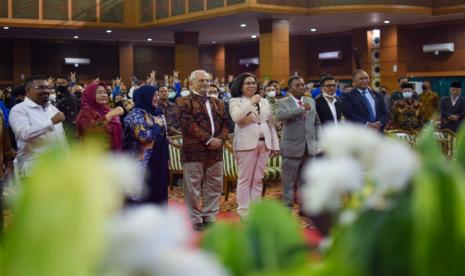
column 148, row 141
column 97, row 118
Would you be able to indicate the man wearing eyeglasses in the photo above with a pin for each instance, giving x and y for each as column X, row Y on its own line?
column 36, row 124
column 328, row 105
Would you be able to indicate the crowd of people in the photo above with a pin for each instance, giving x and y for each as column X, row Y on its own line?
column 267, row 119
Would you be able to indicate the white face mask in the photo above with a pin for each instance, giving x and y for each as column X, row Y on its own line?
column 327, row 95
column 185, row 93
column 271, row 94
column 171, row 95
column 407, row 95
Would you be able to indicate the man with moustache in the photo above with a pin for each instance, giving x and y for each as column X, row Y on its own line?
column 204, row 130
column 36, row 124
column 363, row 105
column 453, row 108
column 299, row 136
column 328, row 105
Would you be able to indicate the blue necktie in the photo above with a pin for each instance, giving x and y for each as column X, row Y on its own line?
column 368, row 105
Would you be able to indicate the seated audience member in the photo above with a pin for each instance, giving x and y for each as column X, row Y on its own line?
column 328, row 105
column 97, row 118
column 453, row 108
column 429, row 101
column 36, row 123
column 406, row 112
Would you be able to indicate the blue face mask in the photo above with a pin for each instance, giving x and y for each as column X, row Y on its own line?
column 171, row 94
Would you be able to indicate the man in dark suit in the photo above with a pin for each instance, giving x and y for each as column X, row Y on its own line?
column 453, row 108
column 328, row 105
column 363, row 105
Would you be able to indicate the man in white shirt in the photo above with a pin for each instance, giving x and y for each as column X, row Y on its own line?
column 328, row 105
column 36, row 124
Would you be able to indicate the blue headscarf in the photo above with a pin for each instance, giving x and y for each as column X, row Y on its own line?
column 143, row 97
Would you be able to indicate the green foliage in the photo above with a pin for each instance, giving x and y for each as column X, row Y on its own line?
column 271, row 242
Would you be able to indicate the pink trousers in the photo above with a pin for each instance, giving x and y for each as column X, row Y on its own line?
column 251, row 168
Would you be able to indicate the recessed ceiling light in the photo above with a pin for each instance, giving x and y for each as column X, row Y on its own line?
column 108, row 31
column 243, row 25
column 6, row 28
column 149, row 39
column 387, row 21
column 253, row 36
column 312, row 30
column 76, row 37
column 213, row 42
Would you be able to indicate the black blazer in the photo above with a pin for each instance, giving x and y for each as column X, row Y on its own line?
column 355, row 109
column 447, row 109
column 324, row 112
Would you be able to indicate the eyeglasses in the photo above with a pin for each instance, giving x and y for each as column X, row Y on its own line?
column 330, row 85
column 250, row 83
column 42, row 87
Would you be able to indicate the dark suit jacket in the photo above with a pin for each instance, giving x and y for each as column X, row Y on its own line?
column 447, row 109
column 355, row 109
column 195, row 126
column 324, row 112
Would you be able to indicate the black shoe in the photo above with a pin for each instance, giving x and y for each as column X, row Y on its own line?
column 198, row 226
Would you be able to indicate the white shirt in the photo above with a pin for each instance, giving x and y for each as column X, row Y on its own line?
column 332, row 107
column 454, row 101
column 370, row 99
column 209, row 110
column 34, row 131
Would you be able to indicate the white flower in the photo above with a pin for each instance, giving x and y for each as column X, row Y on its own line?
column 127, row 173
column 347, row 217
column 394, row 165
column 141, row 235
column 181, row 262
column 327, row 180
column 350, row 139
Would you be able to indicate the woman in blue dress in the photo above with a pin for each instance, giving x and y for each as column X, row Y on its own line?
column 147, row 140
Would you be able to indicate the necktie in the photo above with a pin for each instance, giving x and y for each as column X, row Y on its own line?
column 305, row 113
column 371, row 114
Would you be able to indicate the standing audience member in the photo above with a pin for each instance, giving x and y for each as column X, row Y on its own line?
column 328, row 105
column 148, row 141
column 7, row 155
column 204, row 130
column 397, row 95
column 67, row 103
column 299, row 136
column 406, row 112
column 255, row 138
column 363, row 105
column 36, row 124
column 168, row 109
column 429, row 101
column 453, row 108
column 97, row 118
column 271, row 97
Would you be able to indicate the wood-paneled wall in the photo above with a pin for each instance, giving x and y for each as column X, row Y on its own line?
column 148, row 58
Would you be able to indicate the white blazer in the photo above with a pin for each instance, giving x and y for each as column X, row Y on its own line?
column 249, row 124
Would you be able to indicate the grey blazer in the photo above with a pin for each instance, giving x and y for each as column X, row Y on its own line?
column 297, row 131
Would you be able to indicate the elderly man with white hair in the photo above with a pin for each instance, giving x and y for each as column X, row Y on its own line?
column 204, row 129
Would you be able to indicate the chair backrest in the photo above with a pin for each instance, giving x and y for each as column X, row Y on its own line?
column 175, row 163
column 274, row 162
column 446, row 139
column 229, row 162
column 401, row 135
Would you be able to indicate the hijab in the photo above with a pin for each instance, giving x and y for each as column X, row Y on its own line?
column 143, row 97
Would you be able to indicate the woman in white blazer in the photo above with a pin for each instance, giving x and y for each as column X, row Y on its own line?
column 255, row 138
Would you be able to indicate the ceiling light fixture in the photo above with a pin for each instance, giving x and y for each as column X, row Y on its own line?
column 387, row 21
column 253, row 36
column 6, row 28
column 76, row 37
column 108, row 31
column 149, row 39
column 243, row 25
column 312, row 30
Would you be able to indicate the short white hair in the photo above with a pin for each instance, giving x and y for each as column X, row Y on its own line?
column 194, row 74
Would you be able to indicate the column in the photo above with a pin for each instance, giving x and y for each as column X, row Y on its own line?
column 186, row 53
column 21, row 61
column 219, row 61
column 274, row 48
column 392, row 60
column 126, row 62
column 298, row 56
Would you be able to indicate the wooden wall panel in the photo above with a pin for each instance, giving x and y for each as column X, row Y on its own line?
column 4, row 8
column 233, row 2
column 447, row 3
column 111, row 11
column 161, row 9
column 84, row 10
column 146, row 10
column 234, row 52
column 211, row 4
column 6, row 60
column 47, row 58
column 178, row 7
column 206, row 59
column 55, row 9
column 27, row 9
column 148, row 58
